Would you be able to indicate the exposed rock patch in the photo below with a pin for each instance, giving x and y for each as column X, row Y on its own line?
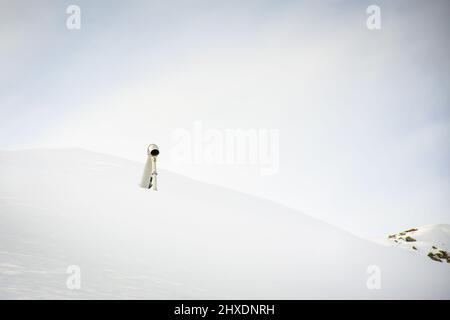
column 431, row 250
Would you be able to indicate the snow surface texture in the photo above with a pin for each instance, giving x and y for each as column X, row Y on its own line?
column 432, row 241
column 187, row 240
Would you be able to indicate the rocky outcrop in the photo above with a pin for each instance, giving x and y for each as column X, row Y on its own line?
column 424, row 246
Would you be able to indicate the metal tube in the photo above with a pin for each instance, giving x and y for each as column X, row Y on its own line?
column 154, row 174
column 149, row 176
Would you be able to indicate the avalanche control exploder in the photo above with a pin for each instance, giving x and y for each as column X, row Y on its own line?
column 149, row 175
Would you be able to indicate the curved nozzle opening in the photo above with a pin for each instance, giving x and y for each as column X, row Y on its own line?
column 153, row 150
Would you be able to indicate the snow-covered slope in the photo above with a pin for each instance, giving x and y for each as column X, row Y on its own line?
column 188, row 240
column 432, row 241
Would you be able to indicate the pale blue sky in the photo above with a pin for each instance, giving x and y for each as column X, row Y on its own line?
column 363, row 115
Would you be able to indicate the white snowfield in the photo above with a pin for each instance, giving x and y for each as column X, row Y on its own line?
column 189, row 240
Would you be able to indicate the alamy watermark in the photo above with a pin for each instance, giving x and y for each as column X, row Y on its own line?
column 73, row 21
column 255, row 146
column 373, row 21
column 374, row 280
column 73, row 281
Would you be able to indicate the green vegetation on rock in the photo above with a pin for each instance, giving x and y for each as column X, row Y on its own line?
column 433, row 257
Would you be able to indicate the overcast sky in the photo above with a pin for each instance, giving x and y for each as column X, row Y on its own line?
column 363, row 115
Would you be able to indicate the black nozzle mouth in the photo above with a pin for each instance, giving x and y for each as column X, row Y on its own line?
column 154, row 152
